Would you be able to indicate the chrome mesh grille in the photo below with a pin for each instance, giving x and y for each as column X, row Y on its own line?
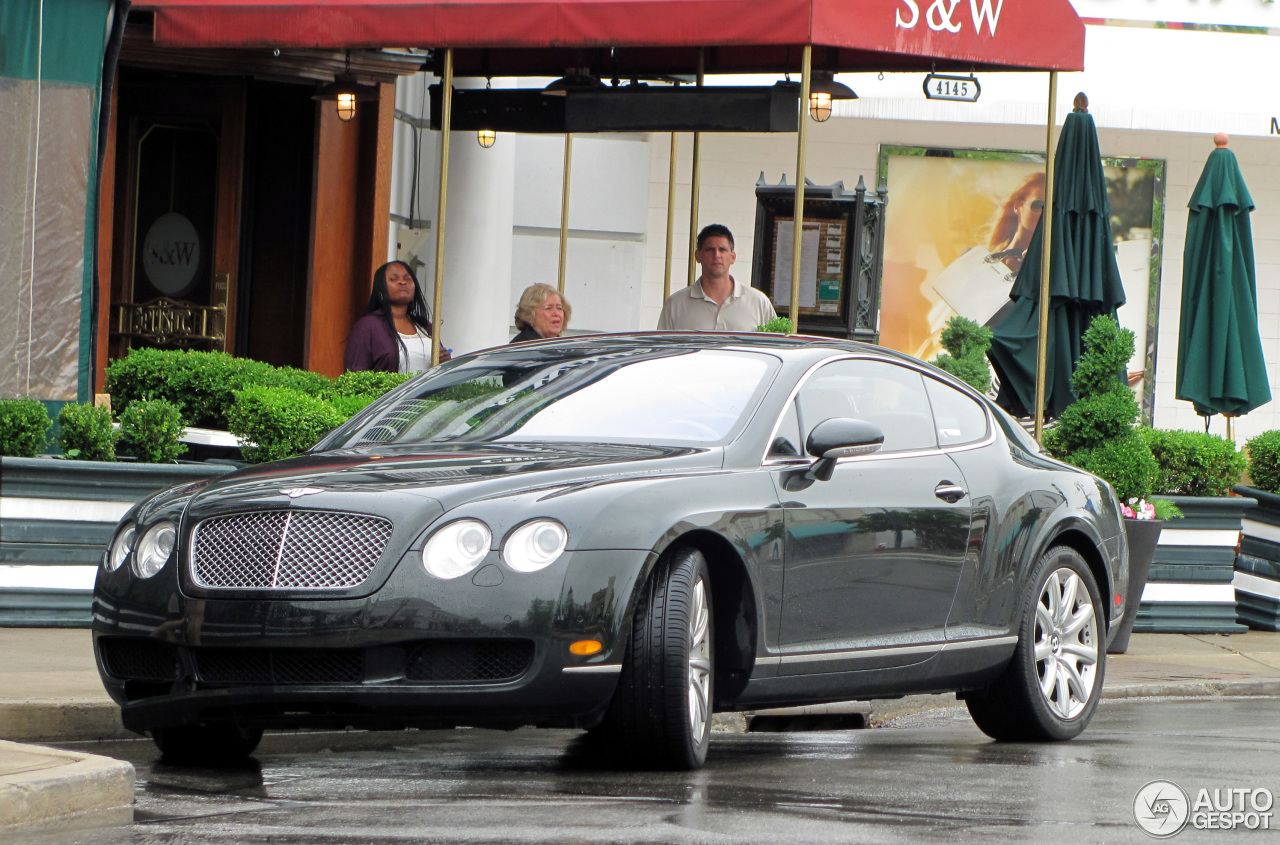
column 287, row 550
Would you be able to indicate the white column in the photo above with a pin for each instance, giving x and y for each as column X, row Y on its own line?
column 477, row 252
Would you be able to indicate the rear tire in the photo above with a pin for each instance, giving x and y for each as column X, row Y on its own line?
column 1052, row 684
column 660, row 716
column 206, row 745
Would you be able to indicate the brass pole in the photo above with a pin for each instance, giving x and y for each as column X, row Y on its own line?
column 693, row 192
column 671, row 216
column 797, row 233
column 1046, row 244
column 564, row 211
column 446, row 118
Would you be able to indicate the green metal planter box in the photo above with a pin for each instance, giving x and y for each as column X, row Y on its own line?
column 56, row 518
column 1189, row 590
column 1257, row 579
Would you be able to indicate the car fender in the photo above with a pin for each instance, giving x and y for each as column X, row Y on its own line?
column 991, row 600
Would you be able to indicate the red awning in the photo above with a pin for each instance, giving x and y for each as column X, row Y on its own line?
column 629, row 37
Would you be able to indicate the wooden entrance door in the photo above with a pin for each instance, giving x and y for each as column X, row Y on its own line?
column 176, row 243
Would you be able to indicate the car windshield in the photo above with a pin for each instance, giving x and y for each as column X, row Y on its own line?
column 570, row 394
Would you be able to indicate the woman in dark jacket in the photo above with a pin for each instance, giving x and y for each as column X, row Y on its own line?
column 394, row 335
column 541, row 313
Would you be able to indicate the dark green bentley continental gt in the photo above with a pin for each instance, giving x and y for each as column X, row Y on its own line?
column 625, row 534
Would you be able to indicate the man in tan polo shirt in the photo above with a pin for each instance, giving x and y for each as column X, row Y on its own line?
column 716, row 302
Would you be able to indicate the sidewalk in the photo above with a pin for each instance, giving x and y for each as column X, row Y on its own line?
column 50, row 692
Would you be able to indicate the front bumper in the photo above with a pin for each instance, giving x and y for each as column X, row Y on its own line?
column 420, row 652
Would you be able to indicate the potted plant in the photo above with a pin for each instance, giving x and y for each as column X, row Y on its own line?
column 778, row 325
column 966, row 344
column 1191, row 577
column 1099, row 432
column 1257, row 567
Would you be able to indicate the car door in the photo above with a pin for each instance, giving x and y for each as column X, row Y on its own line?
column 873, row 555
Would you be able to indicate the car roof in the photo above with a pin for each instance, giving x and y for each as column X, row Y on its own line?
column 782, row 345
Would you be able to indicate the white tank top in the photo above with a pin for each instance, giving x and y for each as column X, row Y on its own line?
column 416, row 354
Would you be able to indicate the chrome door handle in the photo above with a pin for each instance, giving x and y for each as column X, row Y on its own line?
column 948, row 492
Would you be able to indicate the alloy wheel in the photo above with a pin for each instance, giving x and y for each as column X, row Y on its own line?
column 1066, row 644
column 699, row 660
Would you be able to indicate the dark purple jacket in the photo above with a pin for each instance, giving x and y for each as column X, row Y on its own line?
column 371, row 347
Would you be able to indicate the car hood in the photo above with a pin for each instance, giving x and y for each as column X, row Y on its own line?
column 447, row 474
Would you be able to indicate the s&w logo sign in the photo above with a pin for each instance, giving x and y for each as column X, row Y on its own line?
column 941, row 15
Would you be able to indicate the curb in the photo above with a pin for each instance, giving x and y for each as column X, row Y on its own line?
column 887, row 710
column 46, row 783
column 62, row 720
column 1194, row 689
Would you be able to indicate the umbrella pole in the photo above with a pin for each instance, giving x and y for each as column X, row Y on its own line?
column 1046, row 218
column 797, row 227
column 446, row 120
column 671, row 216
column 564, row 211
column 697, row 181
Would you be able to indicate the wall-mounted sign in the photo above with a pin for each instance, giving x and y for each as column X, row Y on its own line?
column 942, row 86
column 171, row 254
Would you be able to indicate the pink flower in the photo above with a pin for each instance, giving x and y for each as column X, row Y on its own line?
column 1142, row 509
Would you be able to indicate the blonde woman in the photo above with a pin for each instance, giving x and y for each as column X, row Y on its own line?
column 542, row 313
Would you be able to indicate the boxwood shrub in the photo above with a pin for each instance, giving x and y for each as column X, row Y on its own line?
column 349, row 406
column 201, row 384
column 966, row 344
column 204, row 387
column 85, row 433
column 368, row 382
column 141, row 374
column 1099, row 431
column 150, row 430
column 279, row 422
column 1126, row 462
column 1194, row 463
column 304, row 381
column 24, row 427
column 1264, row 461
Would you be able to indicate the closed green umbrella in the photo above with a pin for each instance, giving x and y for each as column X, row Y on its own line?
column 1084, row 279
column 1220, row 366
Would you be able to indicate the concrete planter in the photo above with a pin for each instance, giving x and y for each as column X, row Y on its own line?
column 56, row 518
column 1144, row 536
column 1189, row 590
column 1257, row 578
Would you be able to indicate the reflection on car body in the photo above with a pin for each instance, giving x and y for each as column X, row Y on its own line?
column 623, row 534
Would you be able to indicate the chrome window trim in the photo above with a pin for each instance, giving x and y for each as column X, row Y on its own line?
column 766, row 461
column 868, row 653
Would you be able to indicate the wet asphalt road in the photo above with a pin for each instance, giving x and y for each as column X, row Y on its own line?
column 928, row 778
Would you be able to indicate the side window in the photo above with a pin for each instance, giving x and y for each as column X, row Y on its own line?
column 787, row 442
column 960, row 418
column 891, row 396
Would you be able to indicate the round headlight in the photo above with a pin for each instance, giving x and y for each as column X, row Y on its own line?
column 535, row 545
column 154, row 550
column 456, row 549
column 121, row 545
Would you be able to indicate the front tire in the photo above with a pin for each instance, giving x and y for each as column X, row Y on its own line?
column 218, row 744
column 1052, row 684
column 660, row 716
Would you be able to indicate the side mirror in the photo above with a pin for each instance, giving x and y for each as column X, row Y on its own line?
column 840, row 437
